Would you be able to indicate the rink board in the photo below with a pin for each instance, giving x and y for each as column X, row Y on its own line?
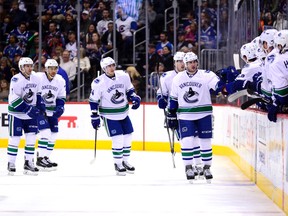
column 257, row 146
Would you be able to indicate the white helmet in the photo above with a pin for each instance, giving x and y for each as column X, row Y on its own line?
column 106, row 62
column 189, row 56
column 248, row 50
column 24, row 61
column 51, row 63
column 281, row 38
column 178, row 56
column 268, row 36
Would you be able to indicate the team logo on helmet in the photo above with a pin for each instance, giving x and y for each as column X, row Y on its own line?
column 117, row 98
column 191, row 96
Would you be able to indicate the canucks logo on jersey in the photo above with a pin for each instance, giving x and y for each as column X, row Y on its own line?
column 28, row 97
column 48, row 97
column 117, row 98
column 191, row 96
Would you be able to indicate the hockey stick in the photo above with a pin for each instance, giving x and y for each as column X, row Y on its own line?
column 95, row 145
column 171, row 142
column 237, row 95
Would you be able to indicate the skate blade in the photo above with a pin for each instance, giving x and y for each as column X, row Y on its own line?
column 130, row 172
column 209, row 181
column 201, row 177
column 28, row 172
column 11, row 173
column 191, row 181
column 44, row 169
column 121, row 173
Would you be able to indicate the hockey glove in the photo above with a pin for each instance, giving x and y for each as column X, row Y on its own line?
column 272, row 112
column 40, row 104
column 58, row 111
column 162, row 101
column 32, row 112
column 135, row 101
column 95, row 121
column 172, row 120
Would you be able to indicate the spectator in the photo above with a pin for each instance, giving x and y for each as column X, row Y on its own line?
column 4, row 90
column 107, row 39
column 5, row 69
column 71, row 46
column 167, row 58
column 12, row 49
column 102, row 25
column 68, row 66
column 182, row 42
column 96, row 13
column 84, row 24
column 94, row 52
column 84, row 68
column 69, row 24
column 53, row 39
column 126, row 25
column 17, row 15
column 88, row 36
column 280, row 23
column 163, row 42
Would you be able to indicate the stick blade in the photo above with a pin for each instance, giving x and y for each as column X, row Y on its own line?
column 237, row 94
column 250, row 102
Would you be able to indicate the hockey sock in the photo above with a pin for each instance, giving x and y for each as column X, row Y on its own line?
column 42, row 146
column 51, row 144
column 12, row 148
column 117, row 148
column 187, row 150
column 127, row 146
column 30, row 146
column 206, row 151
column 196, row 151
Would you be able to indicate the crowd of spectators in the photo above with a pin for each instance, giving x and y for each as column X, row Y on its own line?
column 20, row 33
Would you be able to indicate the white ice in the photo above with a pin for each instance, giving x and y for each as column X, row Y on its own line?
column 156, row 188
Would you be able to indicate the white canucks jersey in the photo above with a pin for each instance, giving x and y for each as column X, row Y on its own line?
column 193, row 94
column 22, row 90
column 249, row 70
column 166, row 82
column 110, row 94
column 51, row 90
column 266, row 85
column 278, row 74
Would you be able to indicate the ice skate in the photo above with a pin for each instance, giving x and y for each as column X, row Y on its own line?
column 11, row 168
column 29, row 168
column 189, row 173
column 200, row 172
column 207, row 173
column 129, row 168
column 120, row 169
column 195, row 170
column 42, row 164
column 53, row 164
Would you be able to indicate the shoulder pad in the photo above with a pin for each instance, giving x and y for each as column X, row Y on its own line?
column 96, row 81
column 164, row 74
column 207, row 71
column 14, row 79
column 271, row 58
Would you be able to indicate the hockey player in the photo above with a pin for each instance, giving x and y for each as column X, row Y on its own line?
column 23, row 113
column 190, row 103
column 163, row 94
column 52, row 88
column 109, row 98
column 277, row 75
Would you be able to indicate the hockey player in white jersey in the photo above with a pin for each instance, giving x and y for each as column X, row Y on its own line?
column 109, row 98
column 190, row 106
column 278, row 76
column 23, row 113
column 52, row 88
column 163, row 94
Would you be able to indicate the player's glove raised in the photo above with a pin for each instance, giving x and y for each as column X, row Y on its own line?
column 135, row 101
column 32, row 112
column 58, row 111
column 95, row 121
column 172, row 120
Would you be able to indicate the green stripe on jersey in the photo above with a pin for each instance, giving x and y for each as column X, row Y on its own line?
column 16, row 102
column 195, row 109
column 281, row 91
column 114, row 110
